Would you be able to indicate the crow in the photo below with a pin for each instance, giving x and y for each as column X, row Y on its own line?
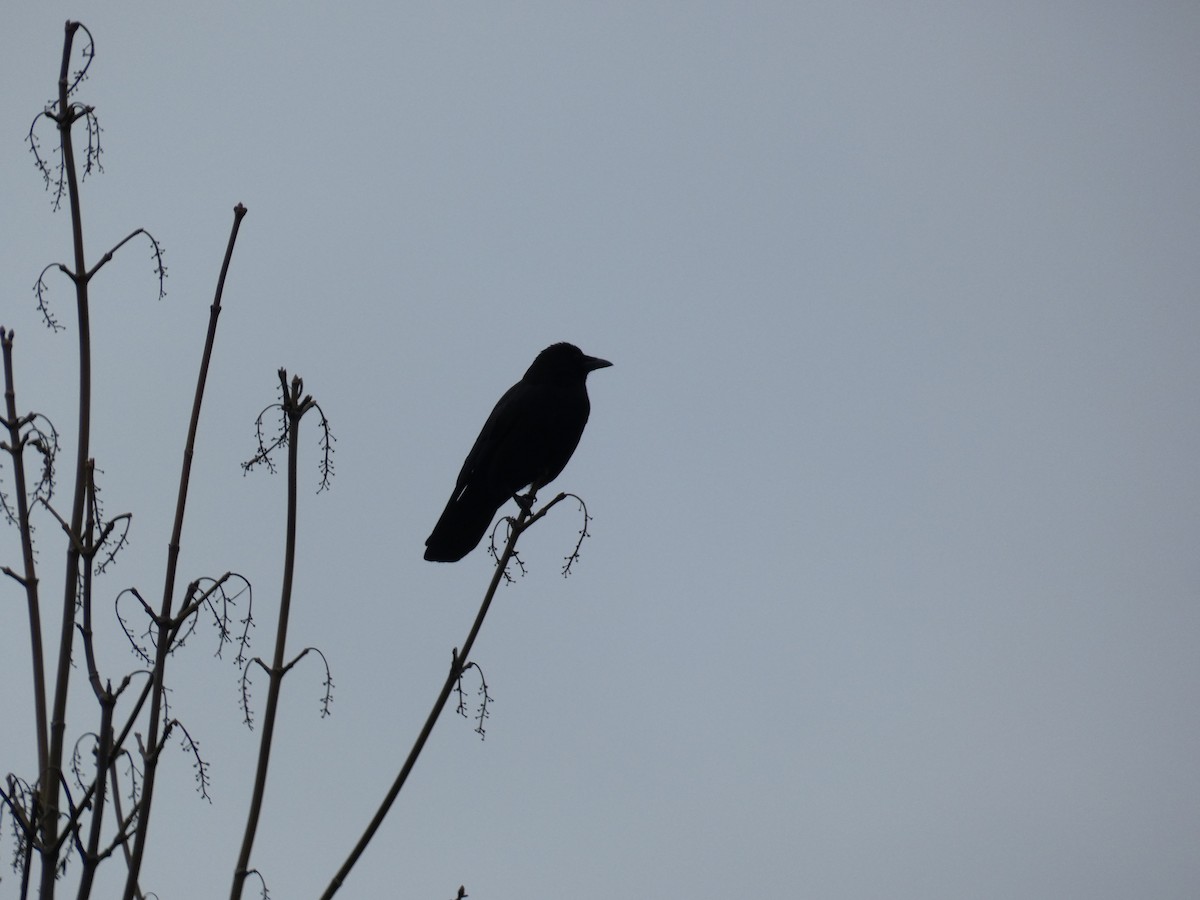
column 527, row 440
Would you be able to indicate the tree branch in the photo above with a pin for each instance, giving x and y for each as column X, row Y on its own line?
column 458, row 663
column 164, row 632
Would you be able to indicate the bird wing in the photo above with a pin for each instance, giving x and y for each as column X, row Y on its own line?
column 505, row 416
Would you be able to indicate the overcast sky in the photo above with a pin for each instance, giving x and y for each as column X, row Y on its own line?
column 893, row 586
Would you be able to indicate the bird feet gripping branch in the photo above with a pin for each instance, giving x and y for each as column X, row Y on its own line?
column 526, row 501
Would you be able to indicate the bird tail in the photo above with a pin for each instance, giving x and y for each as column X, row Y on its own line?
column 461, row 527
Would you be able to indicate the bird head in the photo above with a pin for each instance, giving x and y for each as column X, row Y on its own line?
column 563, row 362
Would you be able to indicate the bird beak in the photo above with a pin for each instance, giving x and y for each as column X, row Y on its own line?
column 592, row 363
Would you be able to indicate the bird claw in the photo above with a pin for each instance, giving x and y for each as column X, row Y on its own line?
column 525, row 501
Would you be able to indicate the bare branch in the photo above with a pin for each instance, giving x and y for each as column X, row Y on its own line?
column 203, row 781
column 485, row 699
column 327, row 697
column 40, row 290
column 458, row 663
column 141, row 650
column 48, row 445
column 158, row 699
column 295, row 405
column 159, row 268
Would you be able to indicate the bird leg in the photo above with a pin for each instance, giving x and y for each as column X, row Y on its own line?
column 526, row 501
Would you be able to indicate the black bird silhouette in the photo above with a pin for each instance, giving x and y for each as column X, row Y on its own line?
column 527, row 440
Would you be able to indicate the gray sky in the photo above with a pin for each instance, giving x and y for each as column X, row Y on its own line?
column 892, row 589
